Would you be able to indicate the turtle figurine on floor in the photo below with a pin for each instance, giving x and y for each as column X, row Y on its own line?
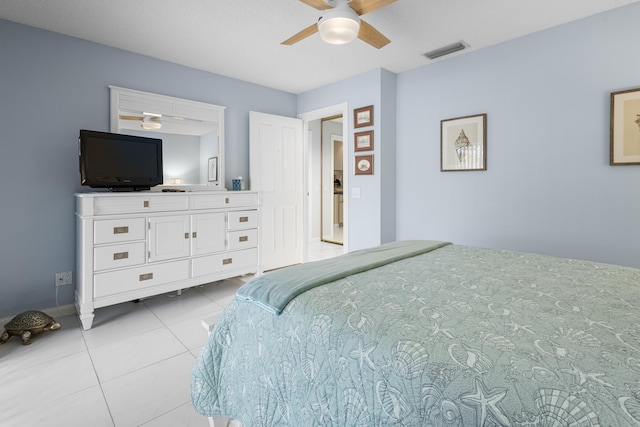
column 27, row 324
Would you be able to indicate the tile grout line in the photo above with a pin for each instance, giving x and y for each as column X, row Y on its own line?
column 93, row 365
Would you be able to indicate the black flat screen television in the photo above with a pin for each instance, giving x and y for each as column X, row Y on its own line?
column 119, row 162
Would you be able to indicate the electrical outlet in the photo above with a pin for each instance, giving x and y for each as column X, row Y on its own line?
column 65, row 278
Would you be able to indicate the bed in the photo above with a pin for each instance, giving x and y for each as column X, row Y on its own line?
column 424, row 333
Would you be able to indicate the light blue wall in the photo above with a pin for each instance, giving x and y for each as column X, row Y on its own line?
column 549, row 187
column 50, row 87
column 388, row 161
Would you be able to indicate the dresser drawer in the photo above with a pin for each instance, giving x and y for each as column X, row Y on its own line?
column 115, row 256
column 140, row 203
column 239, row 220
column 223, row 200
column 242, row 239
column 118, row 230
column 131, row 279
column 219, row 263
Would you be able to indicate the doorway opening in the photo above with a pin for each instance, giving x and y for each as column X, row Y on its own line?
column 327, row 211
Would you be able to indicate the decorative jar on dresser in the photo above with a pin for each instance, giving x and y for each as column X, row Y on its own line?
column 139, row 244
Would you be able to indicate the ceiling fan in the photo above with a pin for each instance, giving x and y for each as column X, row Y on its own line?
column 167, row 124
column 149, row 120
column 340, row 22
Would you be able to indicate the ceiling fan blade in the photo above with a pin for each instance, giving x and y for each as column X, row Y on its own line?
column 317, row 4
column 130, row 117
column 370, row 35
column 311, row 29
column 365, row 6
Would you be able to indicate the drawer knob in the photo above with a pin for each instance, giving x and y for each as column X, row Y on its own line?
column 227, row 261
column 243, row 239
column 120, row 255
column 120, row 230
column 226, row 200
column 244, row 219
column 146, row 204
column 147, row 276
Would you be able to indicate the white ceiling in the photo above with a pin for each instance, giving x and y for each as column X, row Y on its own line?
column 241, row 38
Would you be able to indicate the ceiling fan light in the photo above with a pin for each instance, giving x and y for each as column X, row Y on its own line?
column 339, row 26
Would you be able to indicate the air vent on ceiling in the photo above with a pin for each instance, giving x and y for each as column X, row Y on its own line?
column 446, row 50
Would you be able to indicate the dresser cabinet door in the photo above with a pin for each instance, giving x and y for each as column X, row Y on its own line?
column 208, row 233
column 169, row 237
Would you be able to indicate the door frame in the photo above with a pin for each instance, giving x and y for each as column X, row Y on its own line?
column 333, row 110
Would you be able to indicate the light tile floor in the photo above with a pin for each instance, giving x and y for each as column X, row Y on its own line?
column 132, row 368
column 336, row 236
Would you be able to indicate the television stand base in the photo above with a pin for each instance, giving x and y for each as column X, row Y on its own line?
column 127, row 189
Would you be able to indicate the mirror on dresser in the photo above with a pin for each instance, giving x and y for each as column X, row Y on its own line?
column 192, row 135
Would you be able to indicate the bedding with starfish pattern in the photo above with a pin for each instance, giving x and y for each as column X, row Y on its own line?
column 452, row 336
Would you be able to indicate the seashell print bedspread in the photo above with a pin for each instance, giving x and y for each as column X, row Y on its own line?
column 459, row 336
column 274, row 290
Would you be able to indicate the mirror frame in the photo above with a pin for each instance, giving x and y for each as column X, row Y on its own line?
column 130, row 99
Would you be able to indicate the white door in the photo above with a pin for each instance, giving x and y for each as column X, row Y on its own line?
column 276, row 166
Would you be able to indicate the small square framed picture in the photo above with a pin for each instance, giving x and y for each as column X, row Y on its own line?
column 363, row 117
column 363, row 141
column 364, row 165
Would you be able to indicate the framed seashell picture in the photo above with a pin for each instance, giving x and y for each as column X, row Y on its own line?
column 463, row 143
column 363, row 165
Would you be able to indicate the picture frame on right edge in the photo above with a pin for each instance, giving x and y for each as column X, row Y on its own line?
column 625, row 128
column 463, row 143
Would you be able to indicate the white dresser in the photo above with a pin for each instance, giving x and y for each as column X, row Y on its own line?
column 134, row 245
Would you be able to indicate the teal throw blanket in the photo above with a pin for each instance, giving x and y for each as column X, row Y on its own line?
column 273, row 291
